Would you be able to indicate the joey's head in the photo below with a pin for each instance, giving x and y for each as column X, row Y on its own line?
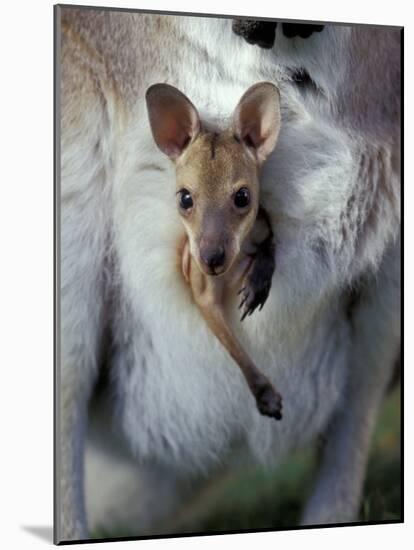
column 217, row 173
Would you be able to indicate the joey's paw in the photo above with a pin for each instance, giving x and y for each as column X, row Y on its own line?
column 269, row 402
column 255, row 293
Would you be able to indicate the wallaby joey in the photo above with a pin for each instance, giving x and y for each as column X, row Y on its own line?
column 229, row 244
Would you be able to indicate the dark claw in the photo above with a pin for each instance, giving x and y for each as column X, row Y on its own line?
column 269, row 402
column 259, row 278
column 255, row 295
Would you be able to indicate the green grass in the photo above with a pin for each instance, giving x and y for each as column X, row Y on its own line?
column 382, row 494
column 257, row 498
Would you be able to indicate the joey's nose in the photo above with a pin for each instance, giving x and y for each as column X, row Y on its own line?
column 214, row 259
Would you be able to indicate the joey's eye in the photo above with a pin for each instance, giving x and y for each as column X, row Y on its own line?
column 242, row 198
column 185, row 199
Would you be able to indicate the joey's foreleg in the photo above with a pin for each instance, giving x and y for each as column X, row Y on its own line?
column 258, row 280
column 208, row 295
column 269, row 401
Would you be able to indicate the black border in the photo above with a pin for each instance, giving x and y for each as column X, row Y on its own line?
column 56, row 279
column 238, row 532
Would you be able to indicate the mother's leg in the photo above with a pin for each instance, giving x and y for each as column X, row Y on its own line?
column 376, row 344
column 83, row 240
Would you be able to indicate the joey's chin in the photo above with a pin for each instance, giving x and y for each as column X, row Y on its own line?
column 216, row 271
column 213, row 271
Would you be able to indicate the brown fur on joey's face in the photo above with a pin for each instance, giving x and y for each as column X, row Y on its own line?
column 216, row 173
column 217, row 197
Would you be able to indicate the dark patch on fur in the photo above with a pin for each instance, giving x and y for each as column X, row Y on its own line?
column 348, row 227
column 151, row 166
column 291, row 30
column 213, row 145
column 262, row 33
column 305, row 83
column 303, row 80
column 353, row 300
column 97, row 147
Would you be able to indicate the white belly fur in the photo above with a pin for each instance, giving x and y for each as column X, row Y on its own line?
column 184, row 401
column 181, row 399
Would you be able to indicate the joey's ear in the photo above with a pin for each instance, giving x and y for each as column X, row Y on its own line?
column 257, row 119
column 173, row 118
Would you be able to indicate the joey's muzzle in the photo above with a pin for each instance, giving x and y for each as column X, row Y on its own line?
column 213, row 259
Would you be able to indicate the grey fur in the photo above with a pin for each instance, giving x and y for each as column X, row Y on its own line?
column 332, row 190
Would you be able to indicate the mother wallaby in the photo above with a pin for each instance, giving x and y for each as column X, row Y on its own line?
column 330, row 332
